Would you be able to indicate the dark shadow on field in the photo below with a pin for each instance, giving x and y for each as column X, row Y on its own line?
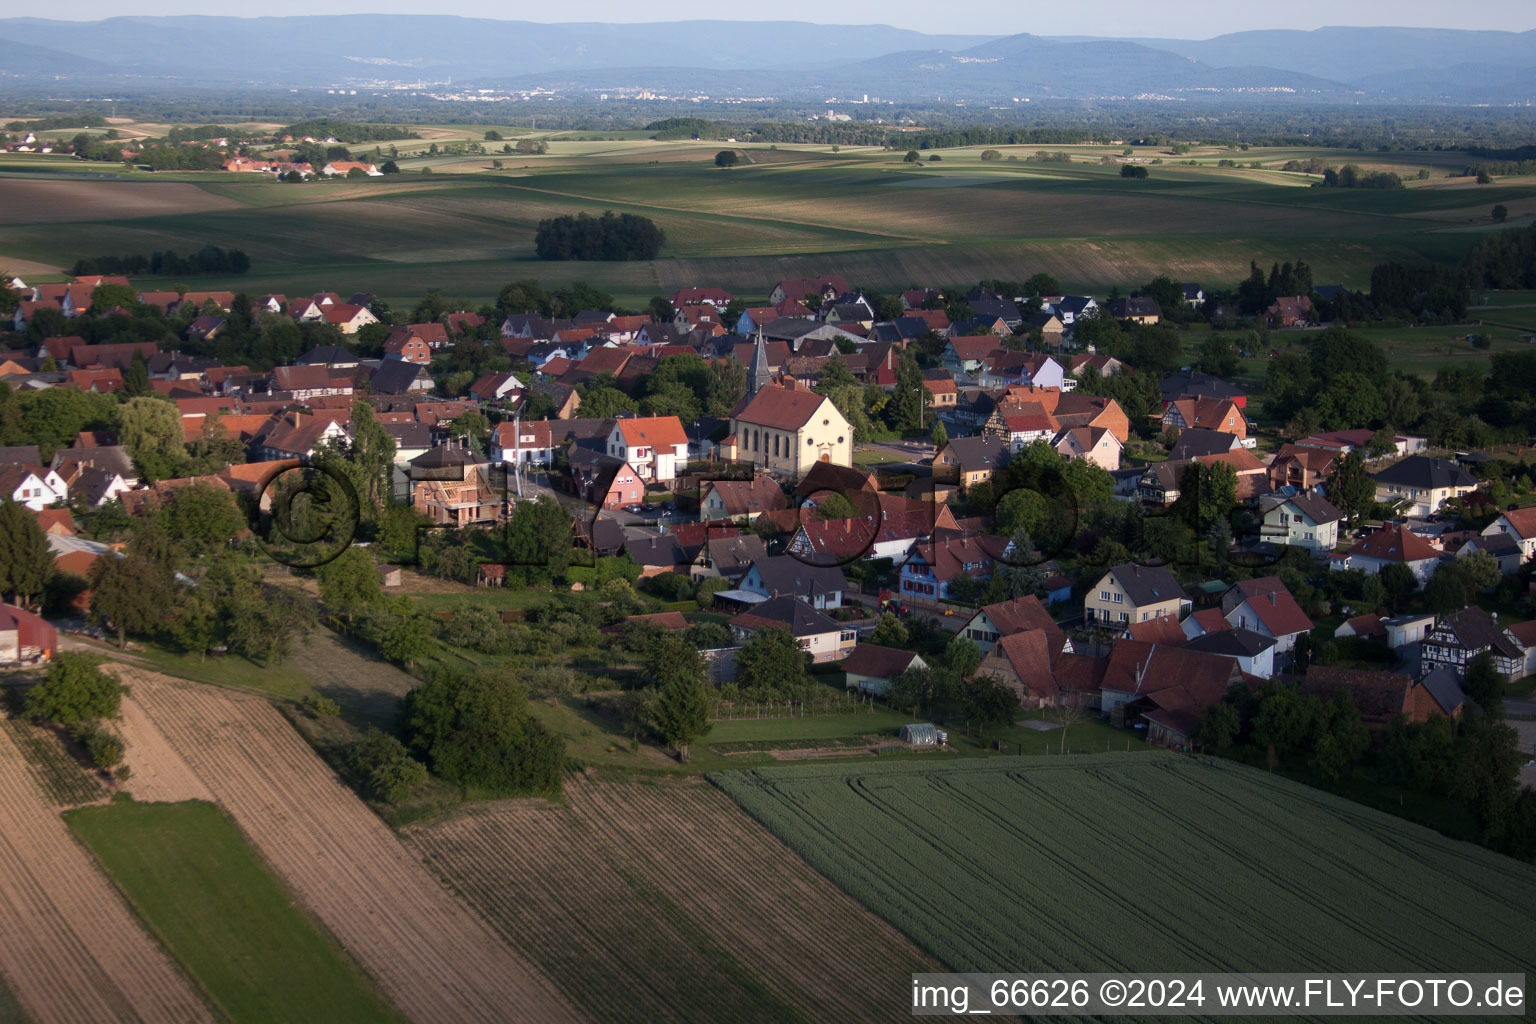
column 368, row 690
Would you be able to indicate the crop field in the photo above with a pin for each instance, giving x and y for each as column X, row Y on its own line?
column 433, row 958
column 664, row 902
column 1152, row 862
column 786, row 211
column 70, row 947
column 56, row 771
column 202, row 890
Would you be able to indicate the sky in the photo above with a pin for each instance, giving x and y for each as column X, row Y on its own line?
column 1179, row 19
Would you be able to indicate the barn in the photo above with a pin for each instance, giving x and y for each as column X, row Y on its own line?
column 25, row 639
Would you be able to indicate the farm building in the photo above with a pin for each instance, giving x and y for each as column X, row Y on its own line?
column 25, row 639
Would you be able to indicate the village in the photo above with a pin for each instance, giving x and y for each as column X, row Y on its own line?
column 801, row 525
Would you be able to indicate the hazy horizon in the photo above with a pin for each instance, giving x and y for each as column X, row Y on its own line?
column 1184, row 19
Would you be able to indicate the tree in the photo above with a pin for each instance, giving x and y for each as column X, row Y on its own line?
column 349, row 582
column 203, row 516
column 1484, row 178
column 912, row 157
column 1133, row 171
column 772, row 665
column 1351, row 489
column 1219, row 726
column 409, row 639
column 963, row 657
column 1500, row 214
column 1397, row 583
column 150, row 428
column 475, row 730
column 989, row 701
column 681, row 711
column 136, row 377
column 1217, row 356
column 26, row 560
column 1484, row 685
column 382, row 768
column 129, row 594
column 726, row 158
column 75, row 690
column 263, row 624
column 889, row 632
column 939, row 436
column 990, row 155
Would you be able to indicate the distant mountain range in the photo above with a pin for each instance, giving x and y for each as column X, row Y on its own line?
column 788, row 60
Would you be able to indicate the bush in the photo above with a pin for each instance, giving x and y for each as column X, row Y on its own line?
column 320, row 707
column 75, row 691
column 104, row 748
column 382, row 768
column 671, row 586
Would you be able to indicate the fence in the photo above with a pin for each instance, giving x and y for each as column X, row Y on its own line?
column 848, row 704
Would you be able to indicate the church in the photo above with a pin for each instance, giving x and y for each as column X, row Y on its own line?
column 785, row 427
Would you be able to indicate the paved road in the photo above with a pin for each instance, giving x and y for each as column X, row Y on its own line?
column 1520, row 707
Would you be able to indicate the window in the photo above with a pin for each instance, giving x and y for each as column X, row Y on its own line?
column 1124, row 617
column 1103, row 595
column 1119, row 598
column 849, row 637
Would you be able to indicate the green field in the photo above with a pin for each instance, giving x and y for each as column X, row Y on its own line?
column 1152, row 862
column 206, row 895
column 790, row 211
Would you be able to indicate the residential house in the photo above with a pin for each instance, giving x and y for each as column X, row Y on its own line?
column 493, row 387
column 606, row 481
column 870, row 668
column 1195, row 384
column 970, row 355
column 522, row 443
column 1419, row 485
column 1068, row 308
column 1290, row 311
column 31, row 485
column 1253, row 651
column 786, row 576
column 995, row 621
column 398, row 377
column 740, row 500
column 655, row 446
column 1137, row 309
column 296, row 435
column 1503, row 548
column 931, row 570
column 1518, row 524
column 476, row 499
column 1301, row 468
column 727, row 555
column 1365, row 627
column 404, row 343
column 1394, row 543
column 1210, row 413
column 1098, row 445
column 823, row 638
column 303, row 383
column 1266, row 607
column 1304, row 520
column 1134, row 593
column 1459, row 637
column 969, row 461
column 796, row 289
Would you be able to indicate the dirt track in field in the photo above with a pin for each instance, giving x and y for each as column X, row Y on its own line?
column 663, row 902
column 70, row 949
column 35, row 201
column 432, row 957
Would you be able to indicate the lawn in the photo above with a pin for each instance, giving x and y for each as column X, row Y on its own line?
column 1146, row 862
column 221, row 913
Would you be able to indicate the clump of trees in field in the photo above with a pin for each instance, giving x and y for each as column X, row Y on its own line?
column 476, row 731
column 609, row 237
column 1133, row 171
column 210, row 259
column 346, row 131
column 77, row 695
column 1351, row 176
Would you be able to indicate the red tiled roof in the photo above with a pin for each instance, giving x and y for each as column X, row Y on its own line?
column 655, row 431
column 781, row 408
column 878, row 662
column 1395, row 543
column 1164, row 629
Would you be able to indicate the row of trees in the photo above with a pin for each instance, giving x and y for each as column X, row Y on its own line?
column 210, row 259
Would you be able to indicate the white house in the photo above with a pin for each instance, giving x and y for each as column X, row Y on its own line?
column 32, row 486
column 1267, row 608
column 1253, row 651
column 529, row 444
column 1394, row 543
column 654, row 445
column 1519, row 524
column 1304, row 520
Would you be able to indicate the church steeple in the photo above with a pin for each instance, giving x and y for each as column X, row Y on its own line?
column 759, row 376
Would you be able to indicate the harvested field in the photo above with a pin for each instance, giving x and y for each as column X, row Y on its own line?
column 34, row 201
column 63, row 778
column 432, row 957
column 663, row 902
column 71, row 949
column 157, row 774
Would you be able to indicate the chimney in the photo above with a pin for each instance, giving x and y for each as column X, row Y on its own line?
column 1271, row 597
column 296, row 417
